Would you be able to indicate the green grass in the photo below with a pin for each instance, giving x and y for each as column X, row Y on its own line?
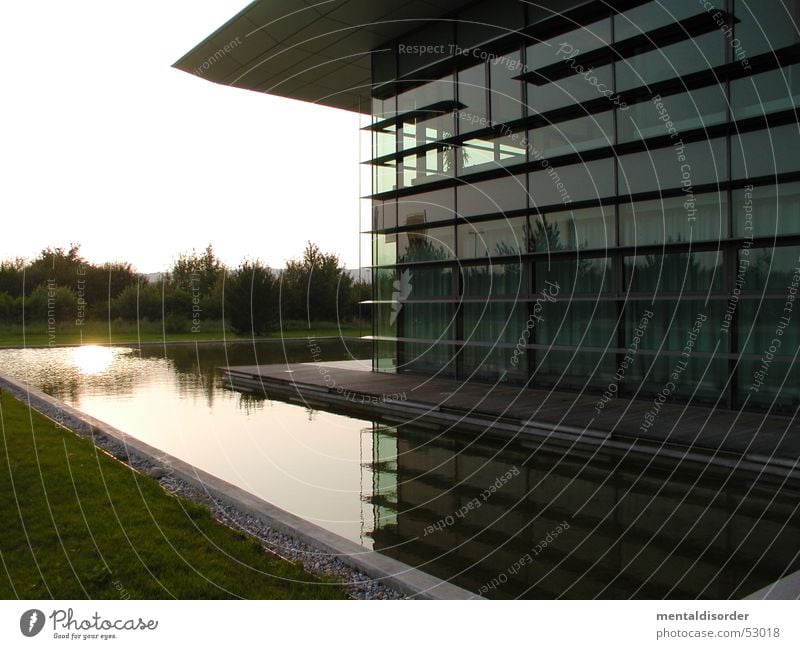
column 127, row 332
column 78, row 524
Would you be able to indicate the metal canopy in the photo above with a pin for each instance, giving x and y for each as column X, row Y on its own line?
column 312, row 51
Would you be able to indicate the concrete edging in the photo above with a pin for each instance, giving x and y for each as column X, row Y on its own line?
column 406, row 579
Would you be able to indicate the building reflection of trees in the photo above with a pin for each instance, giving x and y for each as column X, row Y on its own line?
column 650, row 532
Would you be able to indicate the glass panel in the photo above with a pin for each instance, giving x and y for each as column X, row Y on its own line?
column 384, row 214
column 674, row 219
column 592, row 227
column 426, row 95
column 766, row 26
column 492, row 196
column 672, row 61
column 495, row 280
column 571, row 183
column 419, row 283
column 694, row 164
column 384, row 177
column 759, row 324
column 559, row 48
column 426, row 167
column 505, row 92
column 384, row 142
column 426, row 244
column 384, row 356
column 472, row 95
column 695, row 109
column 479, row 154
column 384, row 282
column 769, row 268
column 427, row 359
column 494, row 322
column 588, row 324
column 426, row 208
column 492, row 363
column 429, row 321
column 678, row 272
column 767, row 211
column 575, row 276
column 673, row 325
column 385, row 321
column 384, row 249
column 493, row 238
column 572, row 90
column 574, row 135
column 652, row 15
column 765, row 153
column 766, row 93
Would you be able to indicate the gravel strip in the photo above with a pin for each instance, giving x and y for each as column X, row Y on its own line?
column 357, row 584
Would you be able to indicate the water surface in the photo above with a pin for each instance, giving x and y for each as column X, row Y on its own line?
column 503, row 519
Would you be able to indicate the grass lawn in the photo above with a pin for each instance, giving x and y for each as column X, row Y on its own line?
column 78, row 524
column 128, row 332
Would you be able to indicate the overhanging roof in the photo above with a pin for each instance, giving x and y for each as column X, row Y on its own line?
column 312, row 51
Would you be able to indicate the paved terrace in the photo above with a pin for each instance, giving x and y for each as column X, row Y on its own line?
column 735, row 438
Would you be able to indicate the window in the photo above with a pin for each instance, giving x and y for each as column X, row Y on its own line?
column 571, row 90
column 384, row 177
column 699, row 108
column 676, row 272
column 591, row 227
column 766, row 93
column 676, row 60
column 652, row 15
column 426, row 208
column 590, row 132
column 769, row 268
column 495, row 280
column 766, row 26
column 580, row 275
column 384, row 249
column 492, row 196
column 571, row 183
column 505, row 92
column 493, row 238
column 767, row 210
column 384, row 214
column 671, row 220
column 673, row 323
column 426, row 244
column 472, row 95
column 489, row 153
column 588, row 324
column 420, row 283
column 758, row 326
column 765, row 153
column 694, row 164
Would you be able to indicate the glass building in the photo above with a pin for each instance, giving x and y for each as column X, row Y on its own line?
column 599, row 196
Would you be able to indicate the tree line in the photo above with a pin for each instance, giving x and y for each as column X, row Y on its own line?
column 61, row 286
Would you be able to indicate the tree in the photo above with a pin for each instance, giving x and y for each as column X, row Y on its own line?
column 251, row 299
column 316, row 287
column 197, row 272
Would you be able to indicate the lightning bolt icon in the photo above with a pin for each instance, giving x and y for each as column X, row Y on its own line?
column 32, row 621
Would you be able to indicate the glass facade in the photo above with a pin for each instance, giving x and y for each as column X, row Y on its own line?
column 567, row 213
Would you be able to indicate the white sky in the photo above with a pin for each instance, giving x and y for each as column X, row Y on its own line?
column 102, row 143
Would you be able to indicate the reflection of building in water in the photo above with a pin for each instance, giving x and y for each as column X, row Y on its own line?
column 631, row 533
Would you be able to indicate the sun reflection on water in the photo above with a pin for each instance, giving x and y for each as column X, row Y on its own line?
column 92, row 359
